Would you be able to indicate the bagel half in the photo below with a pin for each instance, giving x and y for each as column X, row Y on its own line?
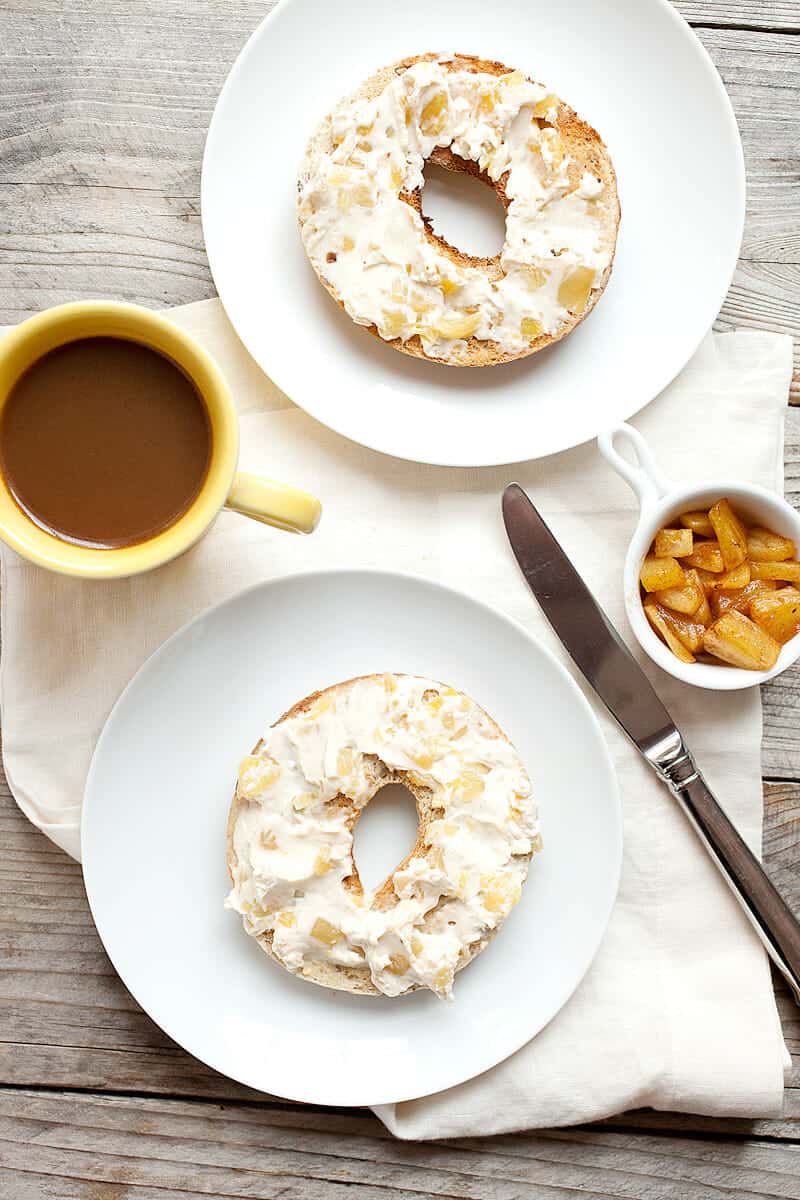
column 356, row 979
column 587, row 152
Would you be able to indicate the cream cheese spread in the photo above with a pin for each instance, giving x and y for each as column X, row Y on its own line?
column 292, row 840
column 371, row 247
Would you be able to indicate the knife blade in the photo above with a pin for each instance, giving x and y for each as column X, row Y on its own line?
column 605, row 661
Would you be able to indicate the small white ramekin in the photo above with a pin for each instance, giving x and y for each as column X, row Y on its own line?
column 660, row 502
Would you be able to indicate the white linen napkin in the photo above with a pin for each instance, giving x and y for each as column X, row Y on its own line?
column 677, row 1011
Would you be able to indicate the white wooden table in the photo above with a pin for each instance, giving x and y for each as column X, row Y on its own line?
column 103, row 110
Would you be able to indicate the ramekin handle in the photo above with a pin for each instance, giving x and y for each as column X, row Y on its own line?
column 643, row 475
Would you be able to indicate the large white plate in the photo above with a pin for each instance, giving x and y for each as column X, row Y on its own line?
column 153, row 838
column 633, row 68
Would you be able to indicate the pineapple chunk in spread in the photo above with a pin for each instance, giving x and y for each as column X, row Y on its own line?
column 501, row 893
column 433, row 117
column 543, row 107
column 257, row 773
column 358, row 193
column 322, row 863
column 462, row 325
column 323, row 931
column 534, row 277
column 576, row 288
column 559, row 233
column 468, row 786
column 460, row 882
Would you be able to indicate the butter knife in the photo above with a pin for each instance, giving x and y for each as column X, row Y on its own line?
column 603, row 658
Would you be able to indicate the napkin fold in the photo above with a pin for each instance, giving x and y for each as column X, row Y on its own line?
column 677, row 1010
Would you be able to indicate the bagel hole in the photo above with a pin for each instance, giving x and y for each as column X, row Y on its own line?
column 463, row 210
column 385, row 833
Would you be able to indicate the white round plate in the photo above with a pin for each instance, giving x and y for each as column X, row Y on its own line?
column 153, row 838
column 633, row 68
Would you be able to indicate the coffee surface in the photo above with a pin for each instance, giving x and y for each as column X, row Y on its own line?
column 104, row 442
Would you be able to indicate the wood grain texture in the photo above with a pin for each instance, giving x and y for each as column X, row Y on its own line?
column 103, row 110
column 780, row 755
column 777, row 15
column 140, row 1149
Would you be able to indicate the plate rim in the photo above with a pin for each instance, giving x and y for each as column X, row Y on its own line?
column 670, row 371
column 614, row 794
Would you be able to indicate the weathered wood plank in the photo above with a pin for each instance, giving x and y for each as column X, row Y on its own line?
column 180, row 1149
column 742, row 14
column 780, row 756
column 67, row 1021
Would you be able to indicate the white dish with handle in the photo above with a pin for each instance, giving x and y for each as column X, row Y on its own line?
column 660, row 502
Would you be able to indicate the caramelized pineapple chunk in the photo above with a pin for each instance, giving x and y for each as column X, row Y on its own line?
column 788, row 571
column 689, row 632
column 765, row 546
column 686, row 599
column 703, row 613
column 730, row 532
column 778, row 613
column 660, row 573
column 657, row 616
column 739, row 577
column 698, row 522
column 707, row 579
column 674, row 543
column 706, row 555
column 737, row 640
column 739, row 598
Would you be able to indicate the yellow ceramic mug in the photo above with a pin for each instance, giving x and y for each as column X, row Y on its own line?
column 264, row 500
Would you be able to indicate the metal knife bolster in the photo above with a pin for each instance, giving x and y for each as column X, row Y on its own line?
column 671, row 760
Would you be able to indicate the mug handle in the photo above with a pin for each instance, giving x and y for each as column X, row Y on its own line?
column 643, row 475
column 274, row 503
